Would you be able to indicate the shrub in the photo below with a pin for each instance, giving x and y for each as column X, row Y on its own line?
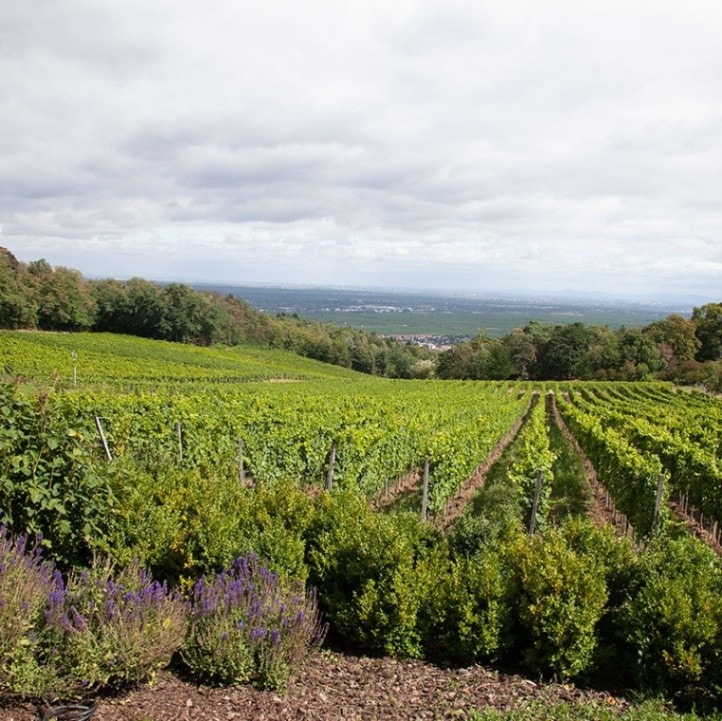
column 248, row 624
column 674, row 621
column 471, row 620
column 371, row 572
column 619, row 565
column 59, row 640
column 52, row 482
column 562, row 597
column 493, row 521
column 185, row 522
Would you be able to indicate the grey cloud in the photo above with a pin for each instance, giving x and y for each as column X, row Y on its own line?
column 331, row 141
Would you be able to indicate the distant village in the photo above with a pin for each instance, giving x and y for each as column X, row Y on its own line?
column 432, row 342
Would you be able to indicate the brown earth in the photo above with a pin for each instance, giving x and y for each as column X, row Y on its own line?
column 601, row 509
column 335, row 687
column 694, row 524
column 403, row 485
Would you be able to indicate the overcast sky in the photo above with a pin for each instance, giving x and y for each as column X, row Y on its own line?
column 478, row 145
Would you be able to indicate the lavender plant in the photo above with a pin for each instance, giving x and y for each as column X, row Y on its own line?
column 249, row 624
column 110, row 630
column 26, row 582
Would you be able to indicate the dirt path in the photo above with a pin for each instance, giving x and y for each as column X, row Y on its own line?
column 336, row 687
column 601, row 510
column 404, row 485
column 693, row 522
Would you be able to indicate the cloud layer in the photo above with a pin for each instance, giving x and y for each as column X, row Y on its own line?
column 469, row 145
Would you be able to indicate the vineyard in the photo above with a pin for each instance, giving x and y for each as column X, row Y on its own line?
column 569, row 529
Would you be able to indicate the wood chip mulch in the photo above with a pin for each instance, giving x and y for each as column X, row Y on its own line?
column 336, row 687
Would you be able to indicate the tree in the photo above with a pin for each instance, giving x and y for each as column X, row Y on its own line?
column 603, row 358
column 146, row 307
column 497, row 363
column 181, row 321
column 18, row 308
column 676, row 338
column 563, row 354
column 362, row 357
column 640, row 354
column 708, row 323
column 112, row 306
column 423, row 369
column 522, row 352
column 64, row 301
column 455, row 363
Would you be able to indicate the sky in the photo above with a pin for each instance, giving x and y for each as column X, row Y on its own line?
column 467, row 145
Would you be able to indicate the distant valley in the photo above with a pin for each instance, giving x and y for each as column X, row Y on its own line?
column 391, row 312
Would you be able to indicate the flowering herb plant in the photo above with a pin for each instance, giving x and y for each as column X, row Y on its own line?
column 249, row 624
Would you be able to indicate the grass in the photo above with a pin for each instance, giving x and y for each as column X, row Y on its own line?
column 570, row 491
column 541, row 710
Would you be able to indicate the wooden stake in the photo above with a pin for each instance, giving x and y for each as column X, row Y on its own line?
column 99, row 426
column 658, row 500
column 425, row 491
column 331, row 463
column 179, row 433
column 535, row 504
column 241, row 469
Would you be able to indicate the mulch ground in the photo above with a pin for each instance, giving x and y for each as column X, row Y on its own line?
column 336, row 687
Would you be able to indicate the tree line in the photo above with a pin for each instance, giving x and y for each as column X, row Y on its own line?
column 687, row 350
column 37, row 295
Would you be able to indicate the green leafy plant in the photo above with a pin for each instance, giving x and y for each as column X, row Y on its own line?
column 51, row 479
column 674, row 621
column 373, row 572
column 562, row 595
column 105, row 628
column 470, row 615
column 110, row 627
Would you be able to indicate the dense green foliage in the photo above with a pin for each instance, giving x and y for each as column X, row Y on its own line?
column 250, row 624
column 574, row 601
column 51, row 478
column 107, row 627
column 676, row 348
column 650, row 429
column 102, row 628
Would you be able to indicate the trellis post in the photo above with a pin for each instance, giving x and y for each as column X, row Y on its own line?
column 658, row 500
column 179, row 433
column 425, row 491
column 331, row 463
column 241, row 469
column 103, row 440
column 535, row 504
